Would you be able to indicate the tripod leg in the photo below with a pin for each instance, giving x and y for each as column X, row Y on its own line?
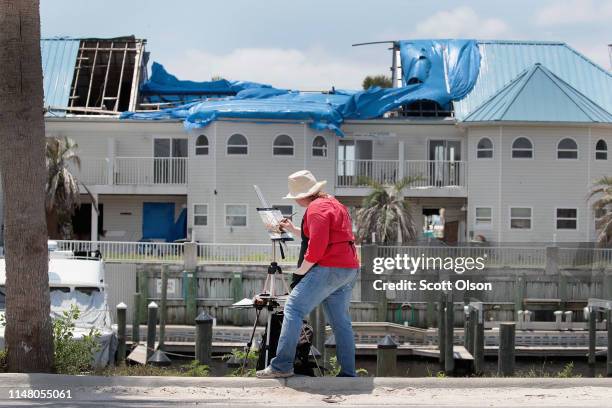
column 269, row 327
column 250, row 342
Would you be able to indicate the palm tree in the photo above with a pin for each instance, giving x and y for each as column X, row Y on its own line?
column 63, row 195
column 386, row 214
column 603, row 210
column 28, row 333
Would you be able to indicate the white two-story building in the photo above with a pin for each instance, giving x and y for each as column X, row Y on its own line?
column 513, row 161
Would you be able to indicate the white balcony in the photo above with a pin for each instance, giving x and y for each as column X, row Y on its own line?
column 134, row 171
column 134, row 175
column 436, row 177
column 150, row 170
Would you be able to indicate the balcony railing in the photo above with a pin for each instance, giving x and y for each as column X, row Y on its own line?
column 426, row 173
column 260, row 254
column 132, row 171
column 150, row 170
column 93, row 171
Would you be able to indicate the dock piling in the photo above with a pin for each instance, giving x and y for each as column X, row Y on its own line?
column 136, row 319
column 203, row 340
column 441, row 330
column 505, row 358
column 121, row 332
column 449, row 327
column 151, row 328
column 386, row 357
column 163, row 312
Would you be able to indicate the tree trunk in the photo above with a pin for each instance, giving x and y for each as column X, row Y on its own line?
column 22, row 164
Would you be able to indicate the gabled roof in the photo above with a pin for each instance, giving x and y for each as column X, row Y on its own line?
column 503, row 61
column 538, row 95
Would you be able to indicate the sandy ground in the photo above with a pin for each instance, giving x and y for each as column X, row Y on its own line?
column 148, row 392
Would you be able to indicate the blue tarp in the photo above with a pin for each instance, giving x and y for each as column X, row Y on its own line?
column 434, row 70
column 163, row 83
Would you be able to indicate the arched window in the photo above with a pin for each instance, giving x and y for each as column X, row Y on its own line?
column 319, row 147
column 282, row 146
column 601, row 150
column 567, row 149
column 522, row 148
column 484, row 149
column 201, row 147
column 237, row 144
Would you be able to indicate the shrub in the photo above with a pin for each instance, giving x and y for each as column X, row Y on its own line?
column 195, row 369
column 239, row 355
column 73, row 356
column 3, row 362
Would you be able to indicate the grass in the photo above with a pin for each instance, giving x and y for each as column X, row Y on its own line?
column 192, row 369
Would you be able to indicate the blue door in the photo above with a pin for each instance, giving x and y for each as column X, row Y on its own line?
column 157, row 221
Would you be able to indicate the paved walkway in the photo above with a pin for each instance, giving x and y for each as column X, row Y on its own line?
column 89, row 391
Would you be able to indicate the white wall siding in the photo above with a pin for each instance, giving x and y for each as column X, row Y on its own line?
column 543, row 183
column 123, row 214
column 233, row 176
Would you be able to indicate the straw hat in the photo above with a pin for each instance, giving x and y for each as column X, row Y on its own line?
column 303, row 184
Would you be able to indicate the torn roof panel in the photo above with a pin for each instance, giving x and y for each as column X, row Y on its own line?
column 58, row 63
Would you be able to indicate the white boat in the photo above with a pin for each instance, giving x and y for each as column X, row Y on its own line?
column 76, row 278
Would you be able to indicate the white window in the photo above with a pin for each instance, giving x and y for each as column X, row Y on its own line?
column 520, row 218
column 567, row 218
column 522, row 148
column 201, row 148
column 567, row 149
column 286, row 210
column 200, row 214
column 282, row 146
column 483, row 216
column 237, row 145
column 319, row 147
column 484, row 149
column 601, row 150
column 236, row 215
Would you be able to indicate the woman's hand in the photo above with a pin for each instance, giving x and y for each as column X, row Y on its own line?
column 287, row 225
column 302, row 270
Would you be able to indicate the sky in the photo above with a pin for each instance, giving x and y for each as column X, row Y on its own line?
column 306, row 45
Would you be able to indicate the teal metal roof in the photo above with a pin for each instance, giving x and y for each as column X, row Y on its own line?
column 538, row 95
column 59, row 57
column 503, row 61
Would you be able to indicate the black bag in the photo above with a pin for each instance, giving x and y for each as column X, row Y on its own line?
column 301, row 364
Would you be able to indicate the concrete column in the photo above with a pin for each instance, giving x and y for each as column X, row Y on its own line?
column 94, row 219
column 402, row 160
column 552, row 260
column 190, row 255
column 110, row 164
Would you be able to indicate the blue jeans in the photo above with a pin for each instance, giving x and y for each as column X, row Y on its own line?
column 333, row 288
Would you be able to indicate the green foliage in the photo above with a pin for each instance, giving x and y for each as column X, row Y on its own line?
column 440, row 374
column 239, row 355
column 195, row 369
column 334, row 369
column 386, row 214
column 3, row 362
column 568, row 371
column 382, row 81
column 602, row 189
column 73, row 356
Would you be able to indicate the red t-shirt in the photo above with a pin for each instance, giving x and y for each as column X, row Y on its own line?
column 330, row 234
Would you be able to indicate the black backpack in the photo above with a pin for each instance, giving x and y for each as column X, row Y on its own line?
column 301, row 364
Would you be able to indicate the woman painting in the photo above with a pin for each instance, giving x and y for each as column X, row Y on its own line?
column 327, row 270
